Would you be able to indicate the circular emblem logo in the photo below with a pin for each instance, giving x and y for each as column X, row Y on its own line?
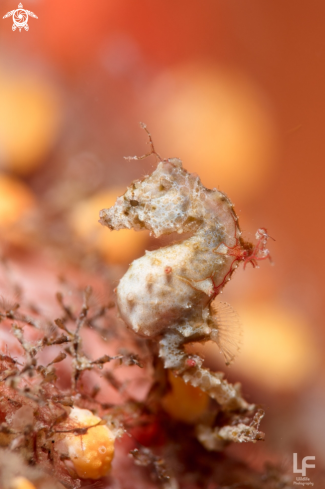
column 20, row 18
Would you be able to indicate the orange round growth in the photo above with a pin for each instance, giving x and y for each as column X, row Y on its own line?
column 184, row 402
column 91, row 453
column 20, row 482
column 16, row 200
column 277, row 351
column 29, row 122
column 218, row 123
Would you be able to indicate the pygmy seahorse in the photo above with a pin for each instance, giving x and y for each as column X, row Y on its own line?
column 168, row 294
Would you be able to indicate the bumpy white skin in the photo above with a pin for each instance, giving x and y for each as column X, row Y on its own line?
column 215, row 439
column 166, row 294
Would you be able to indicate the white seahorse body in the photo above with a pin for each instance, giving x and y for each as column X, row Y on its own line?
column 169, row 287
column 167, row 294
column 172, row 286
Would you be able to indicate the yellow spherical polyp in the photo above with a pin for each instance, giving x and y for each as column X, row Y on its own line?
column 275, row 341
column 92, row 453
column 278, row 351
column 218, row 123
column 29, row 121
column 16, row 199
column 184, row 402
column 20, row 482
column 117, row 247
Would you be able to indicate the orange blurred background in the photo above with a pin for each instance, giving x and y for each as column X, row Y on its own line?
column 233, row 88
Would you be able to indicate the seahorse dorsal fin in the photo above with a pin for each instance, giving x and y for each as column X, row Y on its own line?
column 228, row 329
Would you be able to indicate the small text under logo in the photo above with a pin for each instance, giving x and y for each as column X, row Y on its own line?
column 304, row 480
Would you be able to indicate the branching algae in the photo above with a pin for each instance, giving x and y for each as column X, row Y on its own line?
column 169, row 295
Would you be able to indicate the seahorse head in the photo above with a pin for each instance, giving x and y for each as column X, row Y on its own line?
column 169, row 200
